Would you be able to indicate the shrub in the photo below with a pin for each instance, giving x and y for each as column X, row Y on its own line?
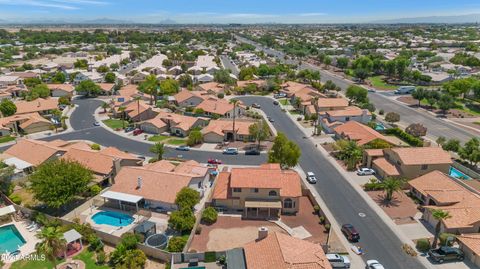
column 416, row 129
column 423, row 245
column 182, row 220
column 198, row 230
column 210, row 256
column 327, row 227
column 176, row 244
column 220, row 95
column 209, row 215
column 392, row 117
column 95, row 146
column 443, row 239
column 381, row 112
column 409, row 250
column 95, row 189
column 101, row 257
column 372, row 185
column 316, row 209
column 321, row 219
column 410, row 139
column 15, row 199
column 299, row 118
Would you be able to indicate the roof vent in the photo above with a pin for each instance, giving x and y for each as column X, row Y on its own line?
column 139, row 182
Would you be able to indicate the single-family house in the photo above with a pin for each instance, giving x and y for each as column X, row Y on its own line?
column 186, row 98
column 360, row 133
column 333, row 118
column 40, row 105
column 221, row 108
column 35, row 152
column 218, row 131
column 176, row 124
column 213, row 88
column 6, row 80
column 59, row 90
column 470, row 244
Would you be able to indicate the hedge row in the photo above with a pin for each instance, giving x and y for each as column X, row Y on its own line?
column 410, row 139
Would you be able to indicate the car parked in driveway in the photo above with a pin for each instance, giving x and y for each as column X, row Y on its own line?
column 365, row 171
column 350, row 232
column 129, row 129
column 137, row 131
column 445, row 253
column 230, row 151
column 338, row 261
column 311, row 178
column 374, row 264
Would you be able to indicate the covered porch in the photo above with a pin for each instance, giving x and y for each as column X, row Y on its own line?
column 262, row 209
column 126, row 202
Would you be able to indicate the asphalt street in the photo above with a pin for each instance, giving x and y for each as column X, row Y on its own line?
column 436, row 127
column 226, row 61
column 377, row 239
column 82, row 120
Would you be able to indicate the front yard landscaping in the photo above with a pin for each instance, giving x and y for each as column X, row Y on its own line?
column 8, row 138
column 176, row 141
column 158, row 138
column 115, row 124
column 378, row 83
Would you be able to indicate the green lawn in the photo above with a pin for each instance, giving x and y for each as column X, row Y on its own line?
column 86, row 256
column 115, row 124
column 294, row 112
column 377, row 82
column 284, row 102
column 8, row 138
column 176, row 142
column 158, row 138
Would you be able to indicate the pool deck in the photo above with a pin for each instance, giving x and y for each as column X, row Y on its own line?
column 30, row 238
column 86, row 216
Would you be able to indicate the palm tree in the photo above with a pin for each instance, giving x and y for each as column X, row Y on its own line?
column 105, row 106
column 391, row 185
column 234, row 102
column 53, row 243
column 122, row 111
column 315, row 105
column 159, row 149
column 440, row 216
column 150, row 87
column 138, row 107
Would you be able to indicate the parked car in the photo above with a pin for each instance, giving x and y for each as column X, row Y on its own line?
column 129, row 129
column 183, row 148
column 230, row 151
column 365, row 171
column 404, row 90
column 214, row 161
column 445, row 254
column 253, row 151
column 371, row 90
column 275, row 103
column 350, row 232
column 311, row 178
column 374, row 264
column 270, row 119
column 96, row 123
column 137, row 131
column 279, row 95
column 62, row 107
column 255, row 105
column 338, row 261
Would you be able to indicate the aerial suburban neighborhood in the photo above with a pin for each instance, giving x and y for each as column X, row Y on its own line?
column 246, row 140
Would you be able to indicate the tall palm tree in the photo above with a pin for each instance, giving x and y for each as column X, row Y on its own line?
column 52, row 243
column 138, row 107
column 440, row 216
column 122, row 111
column 391, row 185
column 105, row 106
column 234, row 102
column 315, row 106
column 159, row 149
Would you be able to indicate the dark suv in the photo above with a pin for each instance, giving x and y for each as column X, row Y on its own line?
column 446, row 253
column 350, row 232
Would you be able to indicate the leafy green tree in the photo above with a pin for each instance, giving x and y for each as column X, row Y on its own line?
column 89, row 88
column 182, row 220
column 284, row 151
column 126, row 254
column 223, row 76
column 360, row 73
column 58, row 182
column 150, row 86
column 110, row 77
column 59, row 78
column 81, row 64
column 187, row 198
column 209, row 215
column 419, row 94
column 378, row 143
column 451, row 145
column 439, row 215
column 389, row 67
column 471, row 151
column 445, row 103
column 7, row 108
column 176, row 244
column 32, row 82
column 392, row 117
column 441, row 140
column 391, row 185
column 169, row 87
column 342, row 62
column 195, row 137
column 259, row 131
column 247, row 73
column 39, row 91
column 52, row 243
column 349, row 152
column 432, row 97
column 185, row 80
column 356, row 94
column 159, row 149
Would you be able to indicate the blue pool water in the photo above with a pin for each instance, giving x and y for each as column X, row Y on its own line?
column 112, row 218
column 379, row 127
column 457, row 174
column 10, row 239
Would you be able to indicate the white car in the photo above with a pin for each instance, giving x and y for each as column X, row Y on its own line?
column 365, row 171
column 311, row 178
column 338, row 261
column 374, row 264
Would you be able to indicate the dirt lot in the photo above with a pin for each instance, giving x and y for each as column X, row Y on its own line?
column 401, row 209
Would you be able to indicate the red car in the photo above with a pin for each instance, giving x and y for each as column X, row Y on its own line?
column 137, row 131
column 214, row 161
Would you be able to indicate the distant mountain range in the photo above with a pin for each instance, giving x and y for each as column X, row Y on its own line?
column 467, row 18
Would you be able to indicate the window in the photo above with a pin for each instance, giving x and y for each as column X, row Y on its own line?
column 288, row 203
column 347, row 118
column 237, row 190
column 424, row 166
column 255, row 190
column 272, row 193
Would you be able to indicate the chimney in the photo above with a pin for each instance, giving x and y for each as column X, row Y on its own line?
column 139, row 183
column 262, row 233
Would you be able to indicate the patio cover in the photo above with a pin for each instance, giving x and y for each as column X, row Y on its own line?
column 236, row 259
column 71, row 236
column 7, row 210
column 124, row 197
column 263, row 204
column 20, row 165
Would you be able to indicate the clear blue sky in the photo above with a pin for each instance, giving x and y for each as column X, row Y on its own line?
column 239, row 11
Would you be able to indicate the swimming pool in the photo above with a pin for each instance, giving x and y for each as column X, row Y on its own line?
column 10, row 239
column 454, row 172
column 112, row 218
column 379, row 127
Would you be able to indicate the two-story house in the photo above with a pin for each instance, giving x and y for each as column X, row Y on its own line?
column 262, row 192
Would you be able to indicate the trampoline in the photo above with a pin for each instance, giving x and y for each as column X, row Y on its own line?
column 157, row 241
